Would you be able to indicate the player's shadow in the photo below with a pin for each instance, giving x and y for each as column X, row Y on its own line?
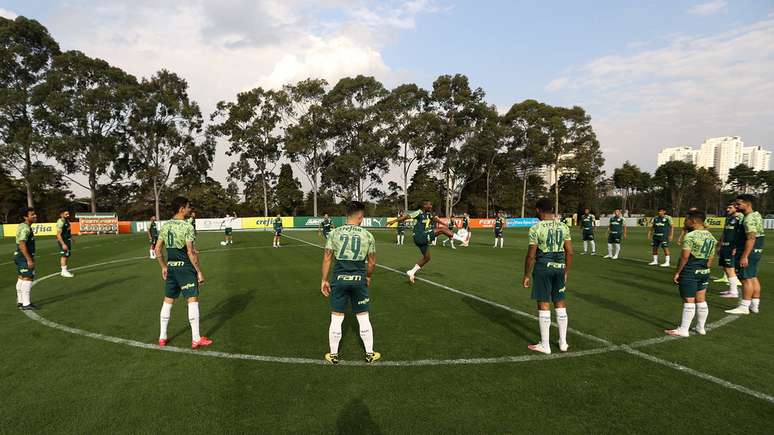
column 355, row 418
column 224, row 311
column 621, row 308
column 501, row 317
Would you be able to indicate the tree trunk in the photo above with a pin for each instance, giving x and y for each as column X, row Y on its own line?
column 156, row 197
column 28, row 175
column 556, row 187
column 314, row 194
column 265, row 193
column 93, row 190
column 523, row 192
column 487, row 193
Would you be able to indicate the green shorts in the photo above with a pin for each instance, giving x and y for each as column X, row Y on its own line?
column 325, row 234
column 181, row 278
column 69, row 250
column 228, row 231
column 400, row 231
column 278, row 232
column 588, row 235
column 658, row 242
column 614, row 238
column 22, row 269
column 751, row 271
column 423, row 243
column 726, row 257
column 498, row 233
column 153, row 241
column 349, row 289
column 692, row 282
column 548, row 282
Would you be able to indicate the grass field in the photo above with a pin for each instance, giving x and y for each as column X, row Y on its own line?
column 455, row 356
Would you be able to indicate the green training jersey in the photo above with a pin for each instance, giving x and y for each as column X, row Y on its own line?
column 549, row 237
column 465, row 223
column 175, row 233
column 588, row 221
column 192, row 221
column 616, row 225
column 63, row 225
column 730, row 229
column 751, row 223
column 499, row 223
column 154, row 229
column 350, row 245
column 661, row 226
column 277, row 223
column 702, row 244
column 24, row 233
column 401, row 226
column 326, row 225
column 423, row 223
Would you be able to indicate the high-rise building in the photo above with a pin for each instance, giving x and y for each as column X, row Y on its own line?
column 683, row 154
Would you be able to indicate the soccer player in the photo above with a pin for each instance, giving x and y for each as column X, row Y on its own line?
column 424, row 234
column 499, row 224
column 452, row 225
column 749, row 249
column 228, row 223
column 726, row 249
column 325, row 226
column 616, row 231
column 354, row 249
column 693, row 273
column 24, row 257
column 466, row 226
column 400, row 229
column 277, row 230
column 153, row 236
column 588, row 221
column 661, row 233
column 548, row 262
column 434, row 226
column 65, row 239
column 180, row 271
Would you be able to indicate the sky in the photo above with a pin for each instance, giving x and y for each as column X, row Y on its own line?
column 651, row 74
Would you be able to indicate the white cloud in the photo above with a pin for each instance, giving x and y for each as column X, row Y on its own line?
column 708, row 8
column 5, row 13
column 692, row 88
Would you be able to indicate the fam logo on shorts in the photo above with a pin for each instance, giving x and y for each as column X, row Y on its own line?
column 364, row 301
column 349, row 277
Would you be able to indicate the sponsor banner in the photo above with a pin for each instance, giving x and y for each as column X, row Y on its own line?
column 520, row 222
column 266, row 222
column 482, row 223
column 1, row 230
column 375, row 222
column 94, row 224
column 715, row 222
column 314, row 222
column 40, row 229
column 768, row 224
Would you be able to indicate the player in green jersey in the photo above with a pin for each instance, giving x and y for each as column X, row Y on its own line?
column 354, row 249
column 24, row 258
column 277, row 225
column 499, row 226
column 661, row 233
column 693, row 272
column 616, row 231
column 180, row 271
column 424, row 234
column 749, row 250
column 400, row 229
column 465, row 230
column 452, row 227
column 228, row 225
column 547, row 264
column 326, row 225
column 153, row 236
column 588, row 221
column 65, row 239
column 726, row 250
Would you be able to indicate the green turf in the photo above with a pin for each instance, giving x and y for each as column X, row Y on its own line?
column 263, row 301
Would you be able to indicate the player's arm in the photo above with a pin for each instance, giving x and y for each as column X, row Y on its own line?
column 625, row 229
column 568, row 255
column 26, row 253
column 59, row 237
column 438, row 221
column 529, row 264
column 749, row 244
column 685, row 254
column 370, row 267
column 325, row 286
column 193, row 255
column 160, row 257
column 671, row 232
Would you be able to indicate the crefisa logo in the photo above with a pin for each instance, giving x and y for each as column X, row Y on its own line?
column 42, row 228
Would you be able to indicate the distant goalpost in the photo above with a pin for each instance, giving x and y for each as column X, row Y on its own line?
column 97, row 223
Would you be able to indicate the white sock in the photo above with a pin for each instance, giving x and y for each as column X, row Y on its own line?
column 397, row 239
column 544, row 319
column 334, row 333
column 452, row 242
column 702, row 311
column 745, row 303
column 166, row 313
column 610, row 249
column 593, row 246
column 414, row 269
column 585, row 246
column 756, row 302
column 366, row 332
column 561, row 320
column 18, row 291
column 26, row 290
column 617, row 247
column 193, row 319
column 666, row 260
column 457, row 237
column 502, row 240
column 655, row 258
column 689, row 310
column 495, row 245
column 733, row 284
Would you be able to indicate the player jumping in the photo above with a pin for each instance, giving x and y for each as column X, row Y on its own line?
column 180, row 271
column 354, row 249
column 548, row 262
column 424, row 234
column 749, row 249
column 65, row 239
column 661, row 233
column 616, row 231
column 588, row 221
column 277, row 231
column 24, row 257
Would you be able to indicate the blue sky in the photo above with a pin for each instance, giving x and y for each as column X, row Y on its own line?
column 650, row 73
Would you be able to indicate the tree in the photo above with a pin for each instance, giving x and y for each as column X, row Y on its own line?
column 26, row 53
column 84, row 105
column 306, row 141
column 356, row 129
column 252, row 125
column 424, row 187
column 165, row 127
column 676, row 178
column 742, row 178
column 707, row 189
column 288, row 194
column 765, row 183
column 627, row 178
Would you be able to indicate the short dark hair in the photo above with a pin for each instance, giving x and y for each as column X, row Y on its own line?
column 746, row 197
column 661, row 208
column 355, row 207
column 179, row 202
column 545, row 205
column 697, row 216
column 27, row 210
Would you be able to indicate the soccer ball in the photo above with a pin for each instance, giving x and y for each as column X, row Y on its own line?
column 223, row 243
column 463, row 233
